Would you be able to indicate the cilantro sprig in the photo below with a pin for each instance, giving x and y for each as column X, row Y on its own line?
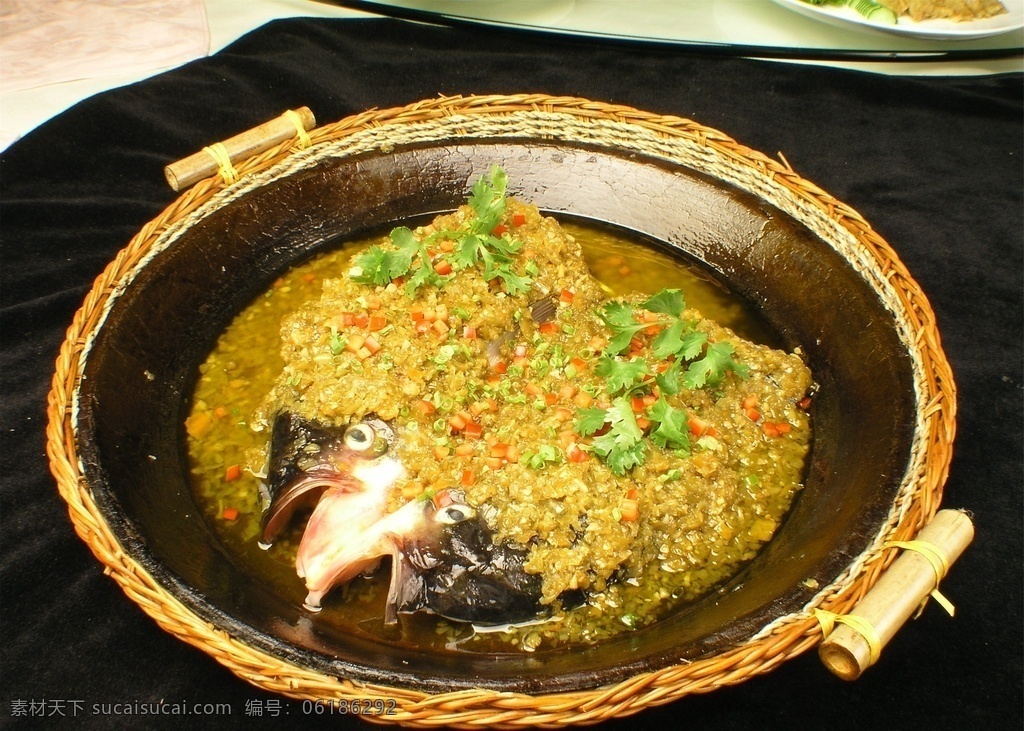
column 378, row 265
column 621, row 320
column 621, row 376
column 672, row 431
column 676, row 341
column 711, row 369
column 621, row 444
column 693, row 363
column 475, row 243
column 488, row 199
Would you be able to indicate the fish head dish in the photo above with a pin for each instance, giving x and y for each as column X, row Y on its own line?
column 139, row 381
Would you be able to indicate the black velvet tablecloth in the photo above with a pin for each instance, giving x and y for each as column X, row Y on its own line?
column 933, row 163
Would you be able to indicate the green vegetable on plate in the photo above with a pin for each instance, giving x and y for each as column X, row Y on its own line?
column 868, row 8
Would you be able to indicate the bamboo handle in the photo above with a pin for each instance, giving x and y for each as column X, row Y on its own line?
column 192, row 169
column 896, row 596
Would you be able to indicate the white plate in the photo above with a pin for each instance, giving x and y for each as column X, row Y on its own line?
column 847, row 17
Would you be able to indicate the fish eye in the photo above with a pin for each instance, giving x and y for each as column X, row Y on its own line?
column 454, row 513
column 359, row 437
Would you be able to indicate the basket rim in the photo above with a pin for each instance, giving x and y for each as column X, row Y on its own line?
column 783, row 639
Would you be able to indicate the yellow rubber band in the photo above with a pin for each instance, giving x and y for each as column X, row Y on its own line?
column 225, row 169
column 864, row 628
column 943, row 602
column 300, row 128
column 930, row 551
column 827, row 620
column 939, row 563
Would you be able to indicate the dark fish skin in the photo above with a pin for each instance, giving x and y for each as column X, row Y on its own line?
column 307, row 458
column 454, row 569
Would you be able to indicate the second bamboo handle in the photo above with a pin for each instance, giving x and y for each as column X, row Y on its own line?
column 896, row 596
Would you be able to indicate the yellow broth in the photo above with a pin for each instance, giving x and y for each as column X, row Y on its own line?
column 246, row 364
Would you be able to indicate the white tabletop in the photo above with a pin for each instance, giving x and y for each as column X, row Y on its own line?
column 206, row 26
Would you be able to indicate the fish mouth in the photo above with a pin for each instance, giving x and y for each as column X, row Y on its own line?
column 350, row 531
column 302, row 493
column 344, row 474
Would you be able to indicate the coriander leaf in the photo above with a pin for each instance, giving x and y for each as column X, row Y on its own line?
column 619, row 343
column 711, row 369
column 424, row 274
column 589, row 421
column 622, row 446
column 618, row 315
column 672, row 430
column 497, row 266
column 697, row 374
column 467, row 251
column 399, row 263
column 623, row 421
column 402, row 237
column 669, row 341
column 693, row 343
column 488, row 200
column 503, row 245
column 667, row 301
column 514, row 283
column 620, row 375
column 626, row 458
column 668, row 380
column 499, row 180
column 371, row 267
column 377, row 265
column 490, row 262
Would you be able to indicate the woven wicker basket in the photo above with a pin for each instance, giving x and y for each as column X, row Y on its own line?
column 670, row 138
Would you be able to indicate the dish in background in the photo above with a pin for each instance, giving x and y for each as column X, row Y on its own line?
column 938, row 29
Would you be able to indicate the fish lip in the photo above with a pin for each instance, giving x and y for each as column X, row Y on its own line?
column 305, row 491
